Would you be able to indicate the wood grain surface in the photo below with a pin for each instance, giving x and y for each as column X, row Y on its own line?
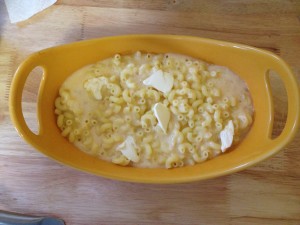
column 30, row 183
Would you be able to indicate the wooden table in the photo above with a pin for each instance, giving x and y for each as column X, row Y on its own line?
column 30, row 183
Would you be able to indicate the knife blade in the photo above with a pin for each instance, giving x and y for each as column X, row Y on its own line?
column 11, row 218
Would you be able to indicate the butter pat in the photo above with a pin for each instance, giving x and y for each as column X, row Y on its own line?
column 226, row 136
column 94, row 86
column 162, row 114
column 160, row 81
column 129, row 149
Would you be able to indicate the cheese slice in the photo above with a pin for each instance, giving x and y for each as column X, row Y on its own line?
column 160, row 80
column 129, row 149
column 162, row 114
column 226, row 136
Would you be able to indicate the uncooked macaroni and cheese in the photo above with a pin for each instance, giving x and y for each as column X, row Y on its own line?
column 154, row 110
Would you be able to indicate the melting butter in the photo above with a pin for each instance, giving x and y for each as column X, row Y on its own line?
column 162, row 114
column 160, row 80
column 129, row 149
column 226, row 136
column 94, row 86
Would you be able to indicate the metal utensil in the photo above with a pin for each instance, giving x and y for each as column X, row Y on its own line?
column 9, row 218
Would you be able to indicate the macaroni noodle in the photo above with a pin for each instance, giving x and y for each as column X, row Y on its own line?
column 185, row 113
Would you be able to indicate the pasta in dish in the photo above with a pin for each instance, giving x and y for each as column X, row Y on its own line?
column 154, row 110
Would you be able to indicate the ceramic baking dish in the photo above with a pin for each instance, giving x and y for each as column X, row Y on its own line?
column 250, row 63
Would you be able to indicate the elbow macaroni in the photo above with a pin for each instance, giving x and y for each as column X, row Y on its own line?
column 101, row 105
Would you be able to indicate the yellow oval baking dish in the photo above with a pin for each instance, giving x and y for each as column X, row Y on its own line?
column 250, row 63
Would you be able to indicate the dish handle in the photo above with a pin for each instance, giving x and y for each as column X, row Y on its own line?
column 293, row 98
column 15, row 97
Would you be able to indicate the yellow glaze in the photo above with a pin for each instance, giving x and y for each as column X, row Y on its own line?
column 250, row 63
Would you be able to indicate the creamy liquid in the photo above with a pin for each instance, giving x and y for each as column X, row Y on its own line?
column 82, row 103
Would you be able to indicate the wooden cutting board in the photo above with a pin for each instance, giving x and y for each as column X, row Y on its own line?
column 268, row 193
